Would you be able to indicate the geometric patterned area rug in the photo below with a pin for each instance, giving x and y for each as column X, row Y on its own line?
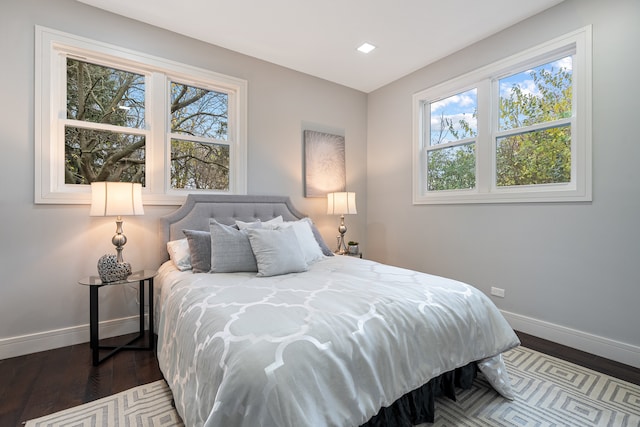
column 148, row 405
column 549, row 392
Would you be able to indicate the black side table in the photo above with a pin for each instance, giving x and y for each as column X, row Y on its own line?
column 94, row 284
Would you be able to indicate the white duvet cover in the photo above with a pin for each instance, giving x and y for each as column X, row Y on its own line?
column 328, row 347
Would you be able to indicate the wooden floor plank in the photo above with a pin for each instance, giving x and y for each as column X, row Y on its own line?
column 45, row 393
column 77, row 373
column 24, row 372
column 591, row 361
column 99, row 382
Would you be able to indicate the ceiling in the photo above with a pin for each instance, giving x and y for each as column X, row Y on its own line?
column 320, row 37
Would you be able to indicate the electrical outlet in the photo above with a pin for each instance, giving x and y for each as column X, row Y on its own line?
column 498, row 292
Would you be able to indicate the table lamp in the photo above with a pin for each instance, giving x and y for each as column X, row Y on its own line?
column 341, row 203
column 116, row 199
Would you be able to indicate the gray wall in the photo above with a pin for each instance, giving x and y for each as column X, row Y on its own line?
column 570, row 271
column 47, row 248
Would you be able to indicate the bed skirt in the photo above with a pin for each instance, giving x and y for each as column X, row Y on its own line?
column 417, row 406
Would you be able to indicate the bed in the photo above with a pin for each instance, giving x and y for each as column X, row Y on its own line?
column 326, row 341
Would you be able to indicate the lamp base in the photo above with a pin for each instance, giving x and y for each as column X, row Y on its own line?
column 119, row 239
column 342, row 229
column 342, row 247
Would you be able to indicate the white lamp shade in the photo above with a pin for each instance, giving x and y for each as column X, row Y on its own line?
column 116, row 198
column 343, row 203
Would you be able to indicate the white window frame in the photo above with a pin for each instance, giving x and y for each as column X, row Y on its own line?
column 52, row 49
column 485, row 79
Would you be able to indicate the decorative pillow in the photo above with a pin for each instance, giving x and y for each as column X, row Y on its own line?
column 260, row 224
column 308, row 244
column 230, row 249
column 277, row 251
column 200, row 249
column 244, row 225
column 323, row 246
column 179, row 253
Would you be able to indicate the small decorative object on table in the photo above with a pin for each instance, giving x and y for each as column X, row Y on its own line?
column 110, row 270
column 354, row 249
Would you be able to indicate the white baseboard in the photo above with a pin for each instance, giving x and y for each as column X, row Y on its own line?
column 594, row 344
column 41, row 341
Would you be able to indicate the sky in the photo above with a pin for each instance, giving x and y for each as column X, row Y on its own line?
column 462, row 105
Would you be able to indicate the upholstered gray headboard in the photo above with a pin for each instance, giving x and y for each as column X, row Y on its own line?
column 196, row 211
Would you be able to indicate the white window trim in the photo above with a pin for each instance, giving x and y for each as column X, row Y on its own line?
column 52, row 48
column 580, row 187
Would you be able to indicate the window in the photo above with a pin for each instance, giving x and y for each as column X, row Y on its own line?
column 104, row 113
column 514, row 131
column 199, row 135
column 451, row 152
column 104, row 128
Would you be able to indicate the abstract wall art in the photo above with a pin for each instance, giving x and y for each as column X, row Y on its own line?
column 324, row 163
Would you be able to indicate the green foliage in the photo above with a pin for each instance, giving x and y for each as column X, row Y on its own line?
column 528, row 157
column 542, row 156
column 452, row 168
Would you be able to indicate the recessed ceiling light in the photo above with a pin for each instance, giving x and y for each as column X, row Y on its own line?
column 366, row 47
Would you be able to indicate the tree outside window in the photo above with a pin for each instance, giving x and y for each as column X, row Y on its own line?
column 102, row 104
column 535, row 110
column 105, row 105
column 107, row 113
column 199, row 124
column 451, row 157
column 514, row 131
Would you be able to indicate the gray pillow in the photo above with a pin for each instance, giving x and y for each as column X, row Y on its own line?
column 277, row 251
column 200, row 249
column 230, row 249
column 325, row 249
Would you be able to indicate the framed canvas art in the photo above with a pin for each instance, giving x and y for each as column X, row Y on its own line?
column 324, row 163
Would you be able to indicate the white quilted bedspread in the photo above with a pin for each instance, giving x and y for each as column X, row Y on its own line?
column 328, row 347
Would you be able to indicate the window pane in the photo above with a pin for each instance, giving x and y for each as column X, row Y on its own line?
column 201, row 166
column 454, row 118
column 100, row 94
column 199, row 112
column 452, row 168
column 93, row 155
column 540, row 157
column 539, row 95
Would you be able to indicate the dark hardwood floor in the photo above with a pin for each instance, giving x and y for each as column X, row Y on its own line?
column 41, row 383
column 600, row 364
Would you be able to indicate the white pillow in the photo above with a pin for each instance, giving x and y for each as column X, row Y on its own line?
column 276, row 251
column 260, row 224
column 179, row 254
column 307, row 241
